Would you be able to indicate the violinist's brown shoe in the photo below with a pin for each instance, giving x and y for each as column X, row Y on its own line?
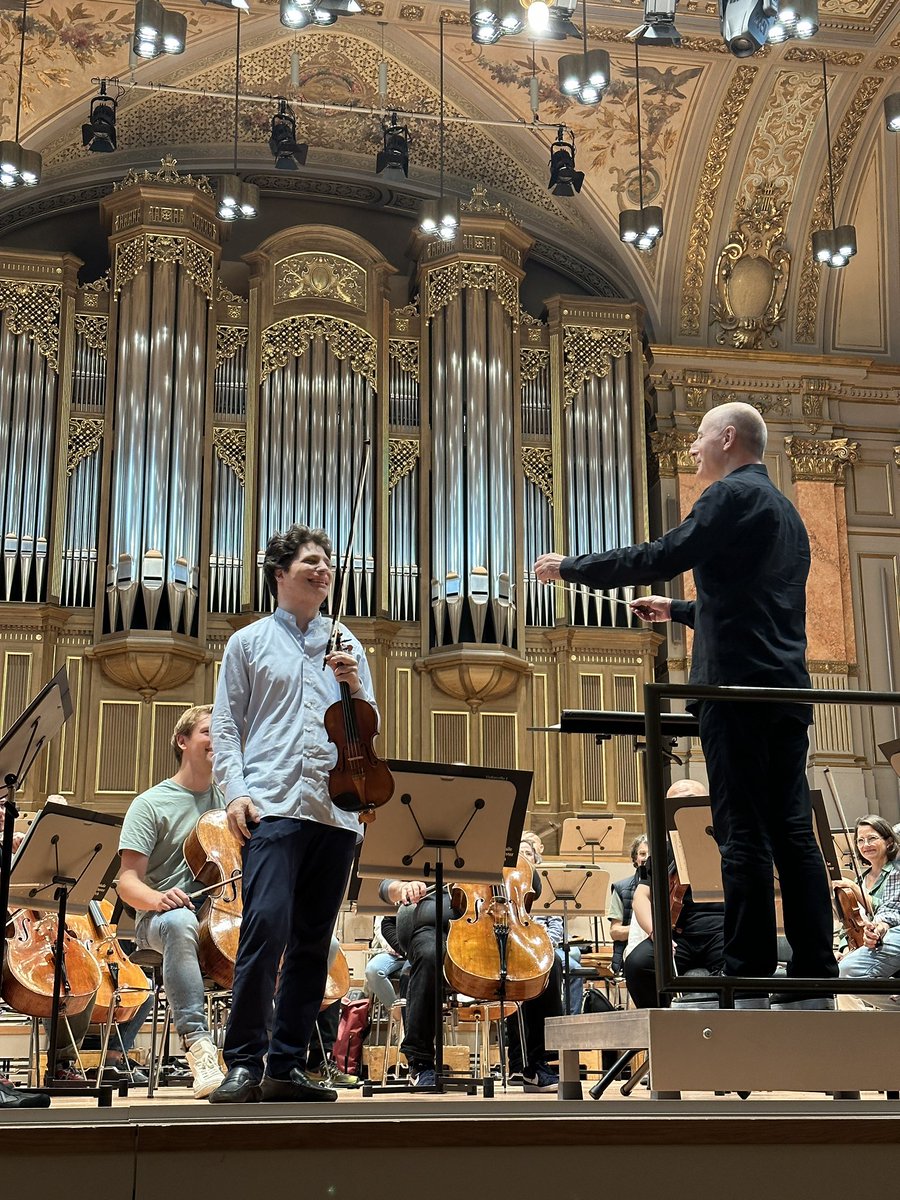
column 297, row 1087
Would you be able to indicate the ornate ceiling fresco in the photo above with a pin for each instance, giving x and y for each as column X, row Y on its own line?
column 733, row 148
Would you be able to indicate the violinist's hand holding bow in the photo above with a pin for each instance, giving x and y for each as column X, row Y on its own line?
column 406, row 892
column 345, row 667
column 873, row 933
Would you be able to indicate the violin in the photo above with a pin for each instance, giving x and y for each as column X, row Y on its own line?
column 359, row 782
column 213, row 854
column 123, row 985
column 28, row 969
column 495, row 950
column 337, row 985
column 854, row 908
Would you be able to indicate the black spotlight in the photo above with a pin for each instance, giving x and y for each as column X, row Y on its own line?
column 98, row 133
column 289, row 155
column 564, row 179
column 394, row 158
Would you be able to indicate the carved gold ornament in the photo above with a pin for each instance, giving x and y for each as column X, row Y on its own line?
column 897, row 456
column 820, row 462
column 166, row 174
column 403, row 454
column 230, row 443
column 94, row 330
column 289, row 339
column 401, row 317
column 230, row 339
column 532, row 327
column 537, row 467
column 322, row 276
column 85, row 438
column 443, row 284
column 589, row 352
column 33, row 309
column 671, row 447
column 405, row 351
column 132, row 256
column 531, row 362
column 478, row 203
column 752, row 276
column 707, row 189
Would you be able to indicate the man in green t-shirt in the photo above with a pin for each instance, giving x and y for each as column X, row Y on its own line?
column 154, row 879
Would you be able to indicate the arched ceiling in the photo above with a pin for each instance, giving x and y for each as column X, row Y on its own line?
column 728, row 143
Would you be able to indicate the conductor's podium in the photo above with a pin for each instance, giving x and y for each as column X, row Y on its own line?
column 722, row 1050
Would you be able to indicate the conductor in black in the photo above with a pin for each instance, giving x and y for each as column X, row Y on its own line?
column 749, row 551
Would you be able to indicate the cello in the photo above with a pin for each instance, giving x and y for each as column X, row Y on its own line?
column 213, row 854
column 29, row 964
column 123, row 985
column 359, row 782
column 496, row 950
column 851, row 899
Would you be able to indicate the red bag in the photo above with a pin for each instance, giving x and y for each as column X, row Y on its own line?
column 346, row 1054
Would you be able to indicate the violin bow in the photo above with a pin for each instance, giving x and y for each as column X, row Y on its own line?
column 832, row 787
column 341, row 597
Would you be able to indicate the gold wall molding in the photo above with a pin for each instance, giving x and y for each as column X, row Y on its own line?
column 811, row 276
column 823, row 461
column 230, row 339
column 537, row 466
column 230, row 443
column 320, row 276
column 403, row 454
column 752, row 275
column 671, row 448
column 85, row 438
column 531, row 362
column 133, row 255
column 401, row 317
column 167, row 174
column 443, row 285
column 589, row 352
column 94, row 329
column 707, row 191
column 782, row 135
column 32, row 310
column 827, row 667
column 405, row 351
column 289, row 339
column 765, row 403
column 834, row 58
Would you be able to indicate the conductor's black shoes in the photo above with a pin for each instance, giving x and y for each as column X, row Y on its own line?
column 297, row 1087
column 238, row 1087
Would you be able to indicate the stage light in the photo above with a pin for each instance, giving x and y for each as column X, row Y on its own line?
column 19, row 167
column 237, row 200
column 394, row 158
column 832, row 247
column 795, row 19
column 287, row 152
column 659, row 24
column 99, row 131
column 892, row 112
column 241, row 4
column 157, row 30
column 745, row 24
column 564, row 179
column 538, row 19
column 584, row 77
column 295, row 14
column 640, row 227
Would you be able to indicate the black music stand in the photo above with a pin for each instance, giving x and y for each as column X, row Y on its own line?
column 69, row 856
column 585, row 888
column 446, row 822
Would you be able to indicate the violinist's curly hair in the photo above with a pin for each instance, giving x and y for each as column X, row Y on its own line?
column 185, row 726
column 282, row 549
column 639, row 841
column 884, row 830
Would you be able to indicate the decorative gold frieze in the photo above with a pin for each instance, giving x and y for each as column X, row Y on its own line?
column 289, row 339
column 820, row 461
column 132, row 256
column 443, row 284
column 810, row 278
column 33, row 309
column 671, row 448
column 825, row 666
column 834, row 58
column 166, row 174
column 94, row 330
column 91, row 292
column 405, row 351
column 537, row 466
column 403, row 454
column 531, row 362
column 401, row 317
column 230, row 443
column 85, row 437
column 412, row 12
column 230, row 339
column 752, row 275
column 707, row 190
column 765, row 403
column 532, row 327
column 589, row 352
column 479, row 204
column 322, row 276
column 235, row 306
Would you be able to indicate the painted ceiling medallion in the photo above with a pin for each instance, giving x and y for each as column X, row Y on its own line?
column 752, row 274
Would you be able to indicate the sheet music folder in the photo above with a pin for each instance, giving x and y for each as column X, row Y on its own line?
column 588, row 720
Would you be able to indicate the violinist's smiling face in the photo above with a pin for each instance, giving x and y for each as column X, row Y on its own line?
column 304, row 584
column 871, row 846
column 196, row 746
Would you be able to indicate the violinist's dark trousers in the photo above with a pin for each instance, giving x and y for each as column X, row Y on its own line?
column 295, row 873
column 756, row 762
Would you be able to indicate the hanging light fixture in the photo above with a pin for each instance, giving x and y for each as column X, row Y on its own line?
column 237, row 199
column 394, row 158
column 297, row 14
column 640, row 227
column 19, row 167
column 892, row 112
column 493, row 19
column 659, row 24
column 832, row 247
column 440, row 218
column 289, row 154
column 564, row 179
column 584, row 77
column 98, row 133
column 795, row 19
column 157, row 30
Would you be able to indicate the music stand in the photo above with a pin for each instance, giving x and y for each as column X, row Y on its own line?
column 446, row 822
column 592, row 835
column 69, row 856
column 891, row 751
column 585, row 888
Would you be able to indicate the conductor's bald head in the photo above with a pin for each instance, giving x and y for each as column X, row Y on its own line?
column 730, row 436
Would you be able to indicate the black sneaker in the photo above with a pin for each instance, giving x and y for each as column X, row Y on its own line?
column 540, row 1079
column 425, row 1077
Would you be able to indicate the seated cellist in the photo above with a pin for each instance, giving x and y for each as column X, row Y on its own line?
column 879, row 955
column 154, row 880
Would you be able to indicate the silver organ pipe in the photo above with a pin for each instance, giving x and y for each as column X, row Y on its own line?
column 403, row 503
column 226, row 555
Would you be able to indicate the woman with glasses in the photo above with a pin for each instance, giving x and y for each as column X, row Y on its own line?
column 879, row 956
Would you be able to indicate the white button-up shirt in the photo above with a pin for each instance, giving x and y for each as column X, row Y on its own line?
column 268, row 732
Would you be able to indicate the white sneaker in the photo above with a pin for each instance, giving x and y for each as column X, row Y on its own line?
column 203, row 1059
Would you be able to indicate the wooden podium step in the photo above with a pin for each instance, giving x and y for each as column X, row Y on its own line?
column 728, row 1051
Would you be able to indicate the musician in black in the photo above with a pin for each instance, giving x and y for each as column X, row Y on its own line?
column 620, row 903
column 749, row 551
